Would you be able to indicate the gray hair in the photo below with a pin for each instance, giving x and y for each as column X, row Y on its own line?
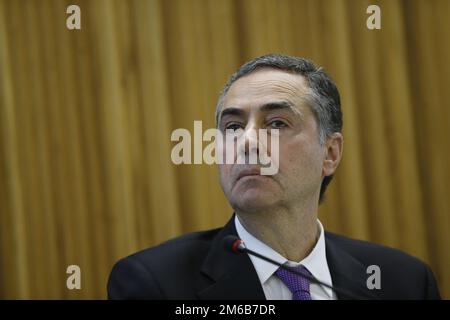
column 322, row 96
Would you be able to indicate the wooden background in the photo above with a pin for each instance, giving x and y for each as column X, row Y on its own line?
column 86, row 118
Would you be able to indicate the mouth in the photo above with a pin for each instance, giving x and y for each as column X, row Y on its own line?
column 249, row 173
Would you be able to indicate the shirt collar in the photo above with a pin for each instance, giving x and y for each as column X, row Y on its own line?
column 315, row 262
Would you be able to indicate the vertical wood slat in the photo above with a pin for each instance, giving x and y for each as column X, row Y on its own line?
column 14, row 255
column 431, row 124
column 397, row 106
column 380, row 209
column 155, row 124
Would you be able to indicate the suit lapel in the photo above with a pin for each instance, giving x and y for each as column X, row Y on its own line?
column 347, row 272
column 233, row 276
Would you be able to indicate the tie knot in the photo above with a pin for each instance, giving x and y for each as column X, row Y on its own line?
column 298, row 285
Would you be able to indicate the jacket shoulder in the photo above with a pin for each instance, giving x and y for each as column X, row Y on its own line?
column 402, row 274
column 146, row 273
column 185, row 246
column 366, row 251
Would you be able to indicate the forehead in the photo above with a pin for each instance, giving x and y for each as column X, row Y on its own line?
column 263, row 85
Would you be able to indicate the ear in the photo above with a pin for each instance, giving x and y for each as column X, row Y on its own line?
column 333, row 153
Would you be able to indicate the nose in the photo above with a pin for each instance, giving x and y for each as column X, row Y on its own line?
column 248, row 144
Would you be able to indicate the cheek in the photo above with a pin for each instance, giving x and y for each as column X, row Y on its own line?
column 300, row 157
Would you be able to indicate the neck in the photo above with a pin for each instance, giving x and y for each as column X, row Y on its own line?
column 291, row 232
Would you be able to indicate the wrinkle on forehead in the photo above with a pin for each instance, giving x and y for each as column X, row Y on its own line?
column 278, row 85
column 269, row 83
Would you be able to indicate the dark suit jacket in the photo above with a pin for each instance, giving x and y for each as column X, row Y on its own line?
column 196, row 266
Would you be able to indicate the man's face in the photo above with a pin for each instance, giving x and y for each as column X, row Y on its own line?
column 273, row 99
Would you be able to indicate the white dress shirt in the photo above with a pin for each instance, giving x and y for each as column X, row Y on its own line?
column 274, row 288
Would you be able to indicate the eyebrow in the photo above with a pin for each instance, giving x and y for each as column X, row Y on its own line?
column 279, row 105
column 231, row 111
column 271, row 106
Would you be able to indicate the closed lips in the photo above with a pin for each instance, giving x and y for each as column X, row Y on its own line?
column 245, row 173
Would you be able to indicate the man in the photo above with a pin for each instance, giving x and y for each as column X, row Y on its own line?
column 275, row 215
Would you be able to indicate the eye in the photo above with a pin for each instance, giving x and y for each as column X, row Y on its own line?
column 233, row 126
column 277, row 124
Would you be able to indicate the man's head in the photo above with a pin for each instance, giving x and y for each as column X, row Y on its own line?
column 293, row 95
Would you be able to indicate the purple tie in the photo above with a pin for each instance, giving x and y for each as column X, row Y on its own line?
column 298, row 285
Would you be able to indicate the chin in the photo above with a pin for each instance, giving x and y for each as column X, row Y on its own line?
column 254, row 201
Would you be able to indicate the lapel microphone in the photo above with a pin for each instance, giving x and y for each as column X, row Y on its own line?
column 235, row 245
